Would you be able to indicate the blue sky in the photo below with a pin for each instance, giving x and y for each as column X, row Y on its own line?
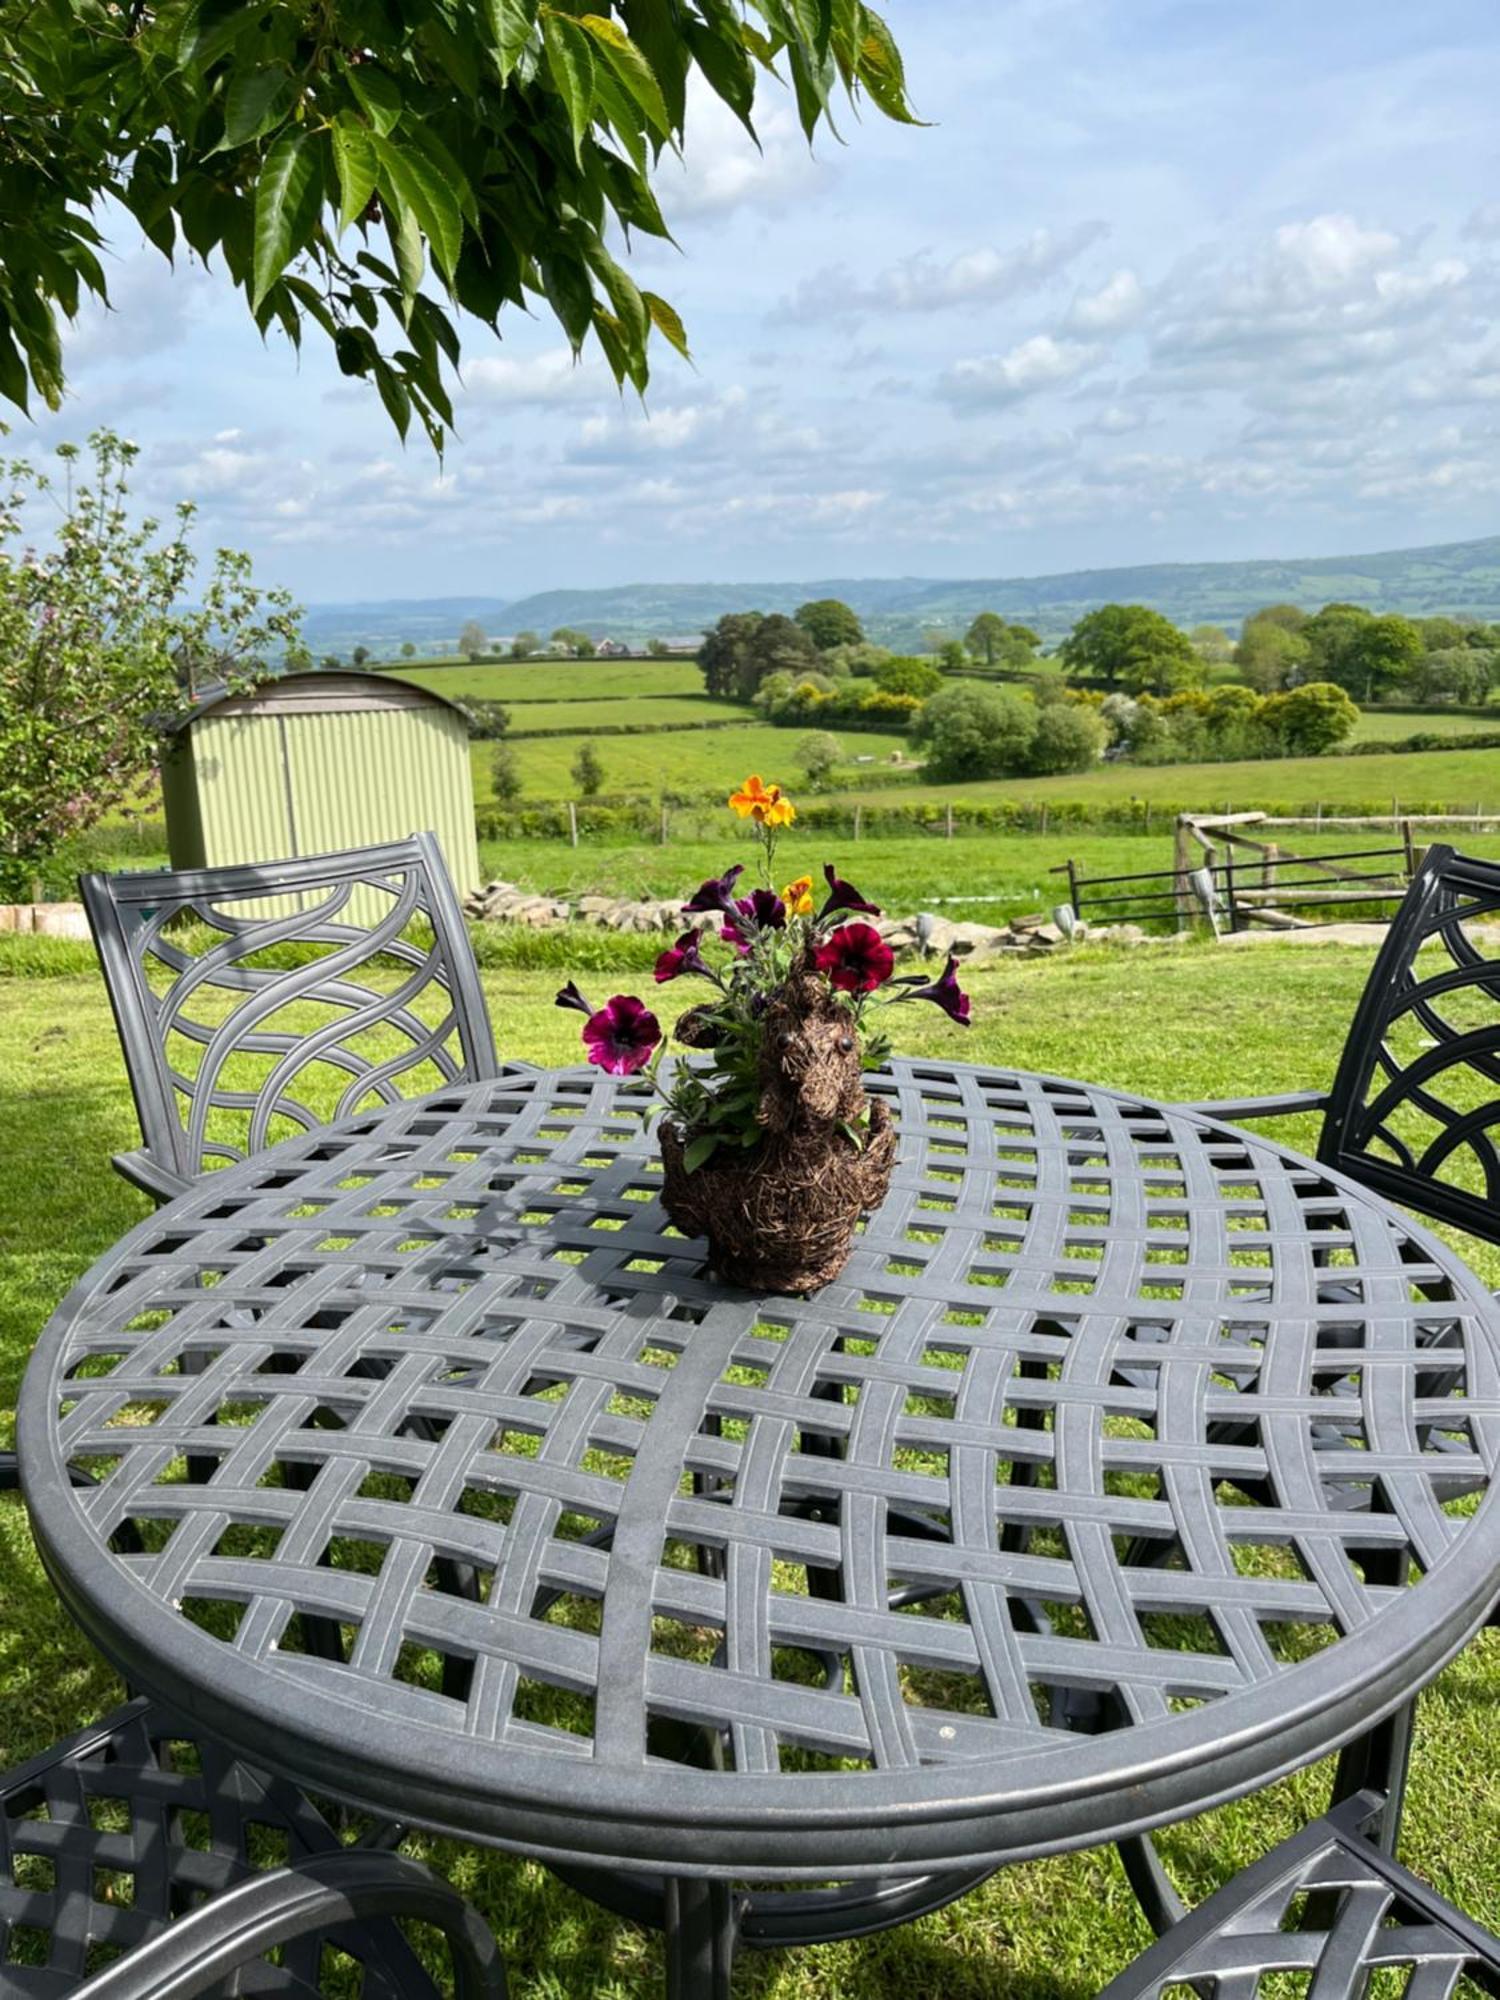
column 1160, row 282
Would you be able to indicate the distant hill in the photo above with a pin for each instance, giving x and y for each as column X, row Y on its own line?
column 1462, row 578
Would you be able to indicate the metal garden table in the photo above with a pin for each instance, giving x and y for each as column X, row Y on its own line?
column 433, row 1470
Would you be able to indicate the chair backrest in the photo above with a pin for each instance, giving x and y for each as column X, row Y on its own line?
column 240, row 1015
column 1416, row 1099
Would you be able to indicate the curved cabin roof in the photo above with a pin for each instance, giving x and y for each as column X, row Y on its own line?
column 317, row 694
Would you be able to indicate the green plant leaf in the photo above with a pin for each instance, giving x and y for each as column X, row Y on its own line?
column 630, row 308
column 665, row 319
column 881, row 70
column 405, row 233
column 726, row 64
column 257, row 99
column 208, row 30
column 287, row 199
column 354, row 160
column 631, row 67
column 697, row 1151
column 410, row 177
column 570, row 62
column 379, row 96
column 510, row 24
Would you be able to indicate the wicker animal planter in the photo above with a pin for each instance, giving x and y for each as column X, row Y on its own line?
column 781, row 1217
column 771, row 1149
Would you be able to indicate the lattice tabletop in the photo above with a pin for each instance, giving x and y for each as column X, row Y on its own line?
column 434, row 1469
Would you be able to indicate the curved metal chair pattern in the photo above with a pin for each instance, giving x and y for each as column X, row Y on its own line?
column 224, row 1041
column 138, row 1857
column 1328, row 1911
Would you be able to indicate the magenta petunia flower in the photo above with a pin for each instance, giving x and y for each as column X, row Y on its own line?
column 944, row 992
column 621, row 1035
column 856, row 958
column 843, row 895
column 717, row 893
column 684, row 956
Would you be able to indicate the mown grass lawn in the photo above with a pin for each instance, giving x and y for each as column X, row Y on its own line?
column 1170, row 1021
column 674, row 760
column 555, row 680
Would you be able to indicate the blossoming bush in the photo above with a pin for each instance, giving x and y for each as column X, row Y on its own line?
column 745, row 949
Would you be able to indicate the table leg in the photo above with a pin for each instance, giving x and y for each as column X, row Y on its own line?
column 1377, row 1762
column 702, row 1926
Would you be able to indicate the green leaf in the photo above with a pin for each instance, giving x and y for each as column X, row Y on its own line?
column 257, row 99
column 620, row 111
column 354, row 159
column 409, row 177
column 565, row 281
column 697, row 1151
column 726, row 66
column 665, row 319
column 287, row 199
column 656, row 27
column 393, row 395
column 14, row 386
column 510, row 24
column 630, row 308
column 379, row 96
column 405, row 233
column 881, row 70
column 212, row 28
column 570, row 62
column 631, row 67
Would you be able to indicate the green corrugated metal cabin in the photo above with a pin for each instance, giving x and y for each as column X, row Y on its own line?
column 312, row 763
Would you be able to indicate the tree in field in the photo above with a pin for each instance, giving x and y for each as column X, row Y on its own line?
column 1310, row 719
column 859, row 662
column 1068, row 737
column 1368, row 654
column 829, row 622
column 745, row 646
column 408, row 650
column 330, row 663
column 505, row 774
column 578, row 645
column 953, row 657
column 524, row 645
column 488, row 720
column 1440, row 635
column 588, row 770
column 473, row 642
column 1212, row 644
column 1452, row 674
column 658, row 649
column 507, row 145
column 1131, row 646
column 96, row 653
column 1272, row 654
column 819, row 754
column 908, row 676
column 985, row 635
column 360, row 655
column 973, row 731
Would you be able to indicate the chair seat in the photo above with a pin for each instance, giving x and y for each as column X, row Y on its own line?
column 109, row 1837
column 1328, row 1904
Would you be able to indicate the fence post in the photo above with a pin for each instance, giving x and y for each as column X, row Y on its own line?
column 1073, row 888
column 664, row 825
column 572, row 823
column 1234, row 910
column 857, row 811
column 1044, row 815
column 950, row 819
column 1411, row 857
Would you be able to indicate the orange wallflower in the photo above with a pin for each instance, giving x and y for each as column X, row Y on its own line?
column 798, row 897
column 763, row 803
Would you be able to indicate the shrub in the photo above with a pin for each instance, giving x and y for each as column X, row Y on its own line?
column 505, row 774
column 588, row 770
column 818, row 754
column 488, row 720
column 973, row 731
column 1068, row 737
column 907, row 676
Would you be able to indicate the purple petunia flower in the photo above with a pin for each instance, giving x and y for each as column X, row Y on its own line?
column 571, row 997
column 761, row 910
column 843, row 895
column 944, row 992
column 717, row 893
column 856, row 958
column 621, row 1035
column 684, row 956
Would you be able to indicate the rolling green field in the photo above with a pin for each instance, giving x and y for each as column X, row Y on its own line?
column 1380, row 725
column 662, row 711
column 686, row 760
column 556, row 680
column 1051, row 1930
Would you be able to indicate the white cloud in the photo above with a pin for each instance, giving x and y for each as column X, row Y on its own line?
column 721, row 168
column 536, row 380
column 1034, row 365
column 1118, row 303
column 922, row 284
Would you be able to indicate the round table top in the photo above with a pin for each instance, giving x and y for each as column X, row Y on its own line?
column 433, row 1468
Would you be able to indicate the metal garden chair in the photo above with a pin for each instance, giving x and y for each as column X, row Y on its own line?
column 139, row 1858
column 1415, row 1099
column 1326, row 1912
column 241, row 1012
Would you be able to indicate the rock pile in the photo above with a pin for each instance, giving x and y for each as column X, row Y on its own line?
column 1031, row 936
